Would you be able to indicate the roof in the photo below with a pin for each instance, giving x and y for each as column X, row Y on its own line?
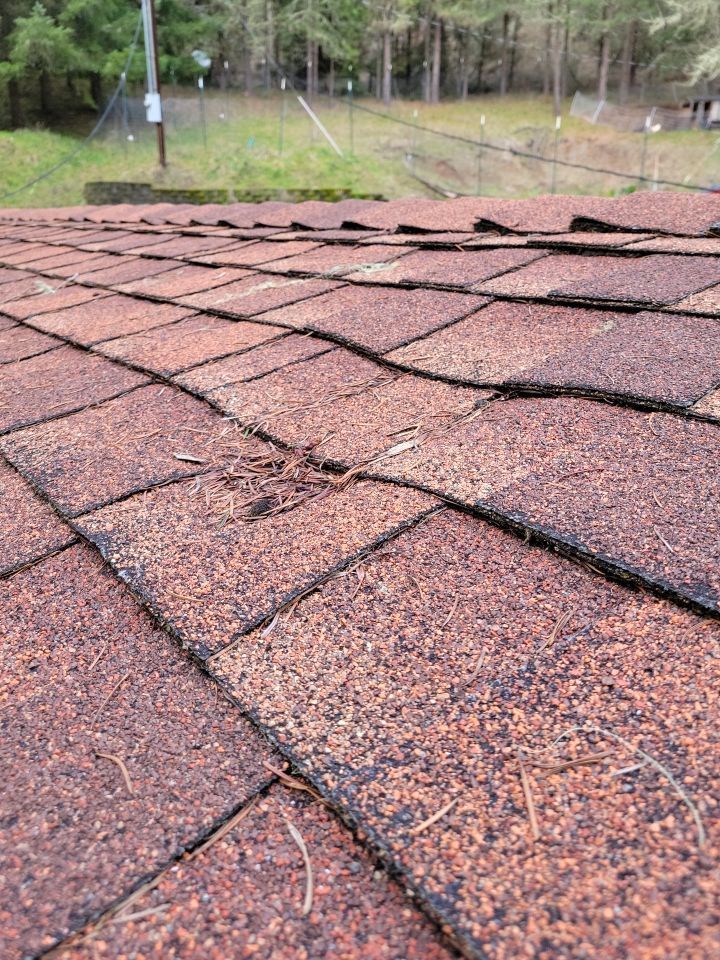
column 360, row 578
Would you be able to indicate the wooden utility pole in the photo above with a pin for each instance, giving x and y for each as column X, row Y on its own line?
column 153, row 101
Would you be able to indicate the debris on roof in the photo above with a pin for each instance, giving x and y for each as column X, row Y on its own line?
column 360, row 576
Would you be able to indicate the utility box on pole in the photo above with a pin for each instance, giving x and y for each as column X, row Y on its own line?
column 153, row 100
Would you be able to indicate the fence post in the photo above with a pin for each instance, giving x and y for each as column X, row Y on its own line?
column 283, row 111
column 480, row 155
column 201, row 88
column 558, row 122
column 350, row 116
column 226, row 68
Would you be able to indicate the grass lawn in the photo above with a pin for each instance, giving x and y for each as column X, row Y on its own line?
column 243, row 151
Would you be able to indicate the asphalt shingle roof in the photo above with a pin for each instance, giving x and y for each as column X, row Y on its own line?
column 360, row 579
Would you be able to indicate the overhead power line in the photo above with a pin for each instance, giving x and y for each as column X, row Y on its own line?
column 95, row 130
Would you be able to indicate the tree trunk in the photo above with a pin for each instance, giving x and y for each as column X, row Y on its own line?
column 96, row 89
column 247, row 69
column 44, row 90
column 557, row 68
column 547, row 64
column 626, row 57
column 408, row 60
column 378, row 75
column 426, row 61
column 269, row 36
column 331, row 79
column 387, row 68
column 464, row 69
column 504, row 55
column 481, row 62
column 566, row 51
column 309, row 70
column 436, row 62
column 513, row 52
column 604, row 66
column 14, row 104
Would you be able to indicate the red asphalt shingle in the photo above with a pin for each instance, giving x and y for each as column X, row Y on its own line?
column 58, row 382
column 256, row 879
column 653, row 356
column 18, row 343
column 145, row 539
column 706, row 302
column 182, row 281
column 652, row 279
column 638, row 490
column 29, row 529
column 408, row 692
column 111, row 762
column 451, row 268
column 335, row 260
column 359, row 315
column 126, row 269
column 196, row 340
column 709, row 405
column 251, row 254
column 251, row 363
column 107, row 318
column 56, row 296
column 125, row 445
column 352, row 407
column 257, row 293
column 510, row 720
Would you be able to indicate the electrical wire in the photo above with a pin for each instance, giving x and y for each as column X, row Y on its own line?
column 525, row 154
column 95, row 130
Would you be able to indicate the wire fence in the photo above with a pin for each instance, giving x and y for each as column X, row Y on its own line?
column 630, row 118
column 551, row 159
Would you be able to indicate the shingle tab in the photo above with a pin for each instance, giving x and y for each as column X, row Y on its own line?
column 127, row 269
column 29, row 528
column 638, row 490
column 451, row 268
column 57, row 296
column 651, row 356
column 93, row 692
column 334, row 260
column 377, row 319
column 257, row 294
column 252, row 254
column 651, row 279
column 18, row 342
column 230, row 580
column 106, row 318
column 58, row 382
column 176, row 347
column 251, row 363
column 106, row 452
column 409, row 690
column 354, row 407
column 182, row 281
column 356, row 910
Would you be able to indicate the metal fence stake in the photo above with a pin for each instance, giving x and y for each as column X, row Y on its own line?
column 480, row 155
column 553, row 187
column 201, row 88
column 351, row 119
column 283, row 111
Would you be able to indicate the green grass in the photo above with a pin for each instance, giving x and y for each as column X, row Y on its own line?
column 243, row 152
